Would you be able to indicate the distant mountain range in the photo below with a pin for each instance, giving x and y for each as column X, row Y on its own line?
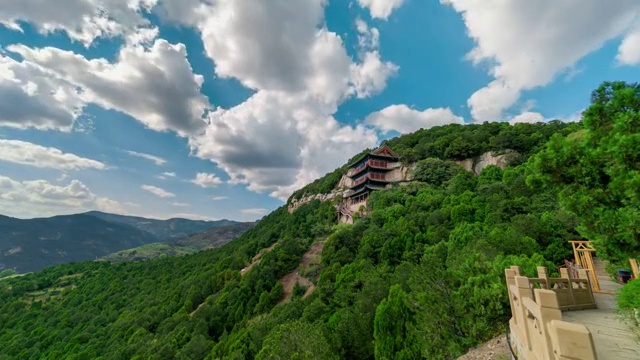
column 164, row 230
column 33, row 244
column 209, row 239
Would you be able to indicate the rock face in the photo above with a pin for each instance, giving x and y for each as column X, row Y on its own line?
column 404, row 173
column 478, row 163
column 322, row 197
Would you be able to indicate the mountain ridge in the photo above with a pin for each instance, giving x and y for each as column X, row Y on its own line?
column 28, row 245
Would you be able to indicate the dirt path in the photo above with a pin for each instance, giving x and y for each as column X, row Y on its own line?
column 311, row 257
column 494, row 349
column 256, row 259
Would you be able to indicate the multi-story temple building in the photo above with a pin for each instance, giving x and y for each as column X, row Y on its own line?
column 371, row 172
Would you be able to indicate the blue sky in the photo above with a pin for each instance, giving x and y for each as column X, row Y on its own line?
column 220, row 109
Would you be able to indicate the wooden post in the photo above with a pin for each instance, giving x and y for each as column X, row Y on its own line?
column 634, row 268
column 582, row 273
column 564, row 273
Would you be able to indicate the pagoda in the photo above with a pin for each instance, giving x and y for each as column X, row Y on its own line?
column 370, row 172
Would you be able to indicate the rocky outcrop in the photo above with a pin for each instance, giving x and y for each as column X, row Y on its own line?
column 478, row 163
column 402, row 174
column 296, row 203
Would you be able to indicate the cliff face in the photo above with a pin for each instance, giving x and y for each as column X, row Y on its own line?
column 404, row 173
column 478, row 163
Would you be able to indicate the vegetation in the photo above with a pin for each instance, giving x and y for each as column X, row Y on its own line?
column 598, row 170
column 209, row 239
column 456, row 142
column 422, row 276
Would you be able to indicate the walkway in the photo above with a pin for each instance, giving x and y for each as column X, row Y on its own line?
column 612, row 337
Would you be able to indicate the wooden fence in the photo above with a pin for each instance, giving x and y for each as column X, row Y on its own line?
column 536, row 327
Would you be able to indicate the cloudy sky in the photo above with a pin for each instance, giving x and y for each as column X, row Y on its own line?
column 221, row 108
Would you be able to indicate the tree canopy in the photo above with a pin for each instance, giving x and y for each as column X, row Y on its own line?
column 597, row 170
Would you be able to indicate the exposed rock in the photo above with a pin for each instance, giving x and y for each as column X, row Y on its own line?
column 478, row 163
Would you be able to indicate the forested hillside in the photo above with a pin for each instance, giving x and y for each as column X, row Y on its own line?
column 457, row 142
column 420, row 277
column 212, row 238
column 34, row 244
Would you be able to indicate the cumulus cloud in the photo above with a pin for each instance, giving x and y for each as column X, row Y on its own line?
column 381, row 9
column 368, row 38
column 629, row 51
column 370, row 76
column 154, row 85
column 528, row 43
column 169, row 174
column 206, row 180
column 293, row 55
column 81, row 20
column 159, row 192
column 300, row 71
column 34, row 198
column 527, row 117
column 403, row 119
column 156, row 159
column 310, row 142
column 46, row 102
column 26, row 153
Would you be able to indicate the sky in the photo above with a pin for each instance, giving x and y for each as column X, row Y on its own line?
column 211, row 109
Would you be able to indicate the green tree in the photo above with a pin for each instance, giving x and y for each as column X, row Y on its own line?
column 296, row 341
column 598, row 170
column 391, row 328
column 435, row 171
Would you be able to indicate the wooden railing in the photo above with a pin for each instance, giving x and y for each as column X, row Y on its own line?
column 536, row 326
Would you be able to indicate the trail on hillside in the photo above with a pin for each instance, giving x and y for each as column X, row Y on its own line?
column 256, row 259
column 310, row 259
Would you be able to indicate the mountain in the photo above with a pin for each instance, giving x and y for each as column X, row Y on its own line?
column 210, row 239
column 420, row 275
column 163, row 229
column 34, row 244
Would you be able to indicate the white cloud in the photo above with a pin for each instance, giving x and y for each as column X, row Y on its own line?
column 156, row 159
column 370, row 76
column 300, row 71
column 169, row 174
column 629, row 51
column 179, row 204
column 404, row 120
column 46, row 102
column 159, row 192
column 528, row 43
column 37, row 198
column 381, row 9
column 293, row 55
column 219, row 198
column 81, row 20
column 26, row 153
column 154, row 85
column 310, row 142
column 206, row 180
column 527, row 117
column 368, row 38
column 258, row 212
